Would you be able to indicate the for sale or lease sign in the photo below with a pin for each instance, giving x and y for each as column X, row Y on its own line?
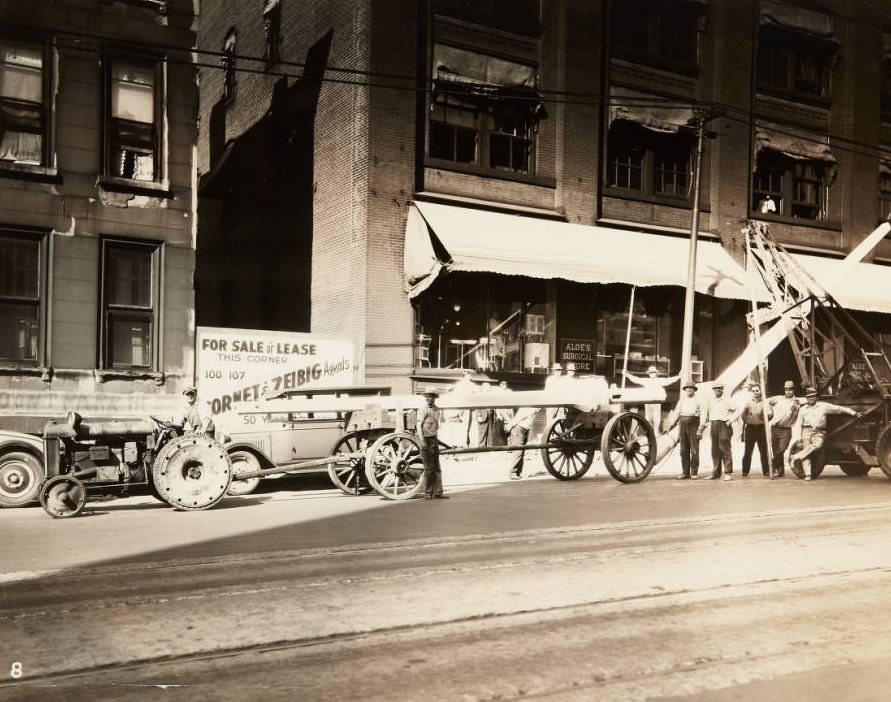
column 237, row 366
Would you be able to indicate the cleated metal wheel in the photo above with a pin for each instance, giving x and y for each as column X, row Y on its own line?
column 192, row 472
column 883, row 450
column 349, row 475
column 393, row 466
column 628, row 447
column 63, row 496
column 855, row 470
column 243, row 462
column 20, row 478
column 563, row 460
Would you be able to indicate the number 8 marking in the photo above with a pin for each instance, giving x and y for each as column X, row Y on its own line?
column 16, row 670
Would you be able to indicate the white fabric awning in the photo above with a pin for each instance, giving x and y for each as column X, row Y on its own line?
column 867, row 288
column 792, row 142
column 784, row 15
column 462, row 66
column 451, row 238
column 649, row 111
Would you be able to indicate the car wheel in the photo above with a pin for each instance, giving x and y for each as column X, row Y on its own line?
column 21, row 476
column 243, row 462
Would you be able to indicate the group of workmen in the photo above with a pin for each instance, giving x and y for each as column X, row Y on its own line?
column 781, row 416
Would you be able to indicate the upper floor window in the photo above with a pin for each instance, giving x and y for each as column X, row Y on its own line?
column 484, row 111
column 130, row 284
column 649, row 162
column 664, row 33
column 228, row 61
column 790, row 187
column 21, row 283
column 24, row 119
column 272, row 29
column 518, row 16
column 134, row 113
column 884, row 190
column 886, row 87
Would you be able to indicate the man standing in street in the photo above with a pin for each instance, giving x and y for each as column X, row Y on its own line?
column 519, row 426
column 785, row 413
column 812, row 418
column 720, row 415
column 754, row 433
column 688, row 413
column 429, row 418
column 653, row 410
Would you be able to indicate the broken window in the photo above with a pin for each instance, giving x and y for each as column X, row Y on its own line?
column 23, row 120
column 132, row 125
column 20, row 299
column 129, row 280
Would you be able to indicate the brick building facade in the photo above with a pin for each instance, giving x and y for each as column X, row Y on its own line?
column 483, row 139
column 98, row 101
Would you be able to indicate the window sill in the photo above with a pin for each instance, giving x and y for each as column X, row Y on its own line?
column 25, row 171
column 470, row 169
column 796, row 221
column 685, row 69
column 679, row 202
column 103, row 375
column 136, row 187
column 45, row 373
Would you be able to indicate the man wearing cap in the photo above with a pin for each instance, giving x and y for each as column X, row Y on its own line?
column 754, row 433
column 189, row 419
column 720, row 415
column 689, row 415
column 785, row 413
column 812, row 421
column 652, row 410
column 428, row 421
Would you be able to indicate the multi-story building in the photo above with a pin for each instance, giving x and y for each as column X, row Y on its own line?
column 498, row 185
column 98, row 100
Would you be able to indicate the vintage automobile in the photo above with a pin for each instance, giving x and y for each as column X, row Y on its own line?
column 283, row 439
column 21, row 468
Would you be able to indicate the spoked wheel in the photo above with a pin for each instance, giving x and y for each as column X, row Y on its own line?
column 393, row 466
column 192, row 472
column 628, row 447
column 883, row 450
column 348, row 474
column 855, row 470
column 243, row 462
column 564, row 460
column 20, row 478
column 63, row 496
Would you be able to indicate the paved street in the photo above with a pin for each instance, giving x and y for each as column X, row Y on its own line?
column 533, row 589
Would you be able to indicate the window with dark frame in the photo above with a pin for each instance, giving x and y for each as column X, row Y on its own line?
column 129, row 309
column 519, row 16
column 272, row 28
column 20, row 300
column 885, row 195
column 649, row 162
column 793, row 65
column 798, row 187
column 133, row 146
column 655, row 31
column 24, row 122
column 228, row 61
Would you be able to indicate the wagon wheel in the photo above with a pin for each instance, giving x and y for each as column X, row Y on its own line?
column 192, row 472
column 243, row 462
column 63, row 497
column 855, row 470
column 563, row 460
column 349, row 475
column 883, row 450
column 393, row 466
column 20, row 478
column 628, row 447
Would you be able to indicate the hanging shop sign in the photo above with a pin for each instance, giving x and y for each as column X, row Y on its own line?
column 578, row 351
column 238, row 366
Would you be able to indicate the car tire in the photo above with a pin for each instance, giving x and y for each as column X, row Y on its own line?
column 21, row 475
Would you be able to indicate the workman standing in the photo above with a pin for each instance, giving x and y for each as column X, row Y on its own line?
column 689, row 415
column 429, row 419
column 754, row 433
column 518, row 428
column 189, row 419
column 652, row 410
column 720, row 415
column 785, row 413
column 812, row 419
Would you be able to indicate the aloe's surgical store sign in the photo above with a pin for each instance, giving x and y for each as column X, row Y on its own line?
column 237, row 366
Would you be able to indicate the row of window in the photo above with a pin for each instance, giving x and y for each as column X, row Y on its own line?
column 129, row 282
column 133, row 90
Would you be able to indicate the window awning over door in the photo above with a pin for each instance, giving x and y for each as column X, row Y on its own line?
column 656, row 113
column 450, row 238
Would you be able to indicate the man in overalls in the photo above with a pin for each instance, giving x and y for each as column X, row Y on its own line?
column 428, row 422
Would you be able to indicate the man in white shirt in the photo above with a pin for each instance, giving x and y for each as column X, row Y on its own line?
column 518, row 427
column 720, row 415
column 689, row 415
